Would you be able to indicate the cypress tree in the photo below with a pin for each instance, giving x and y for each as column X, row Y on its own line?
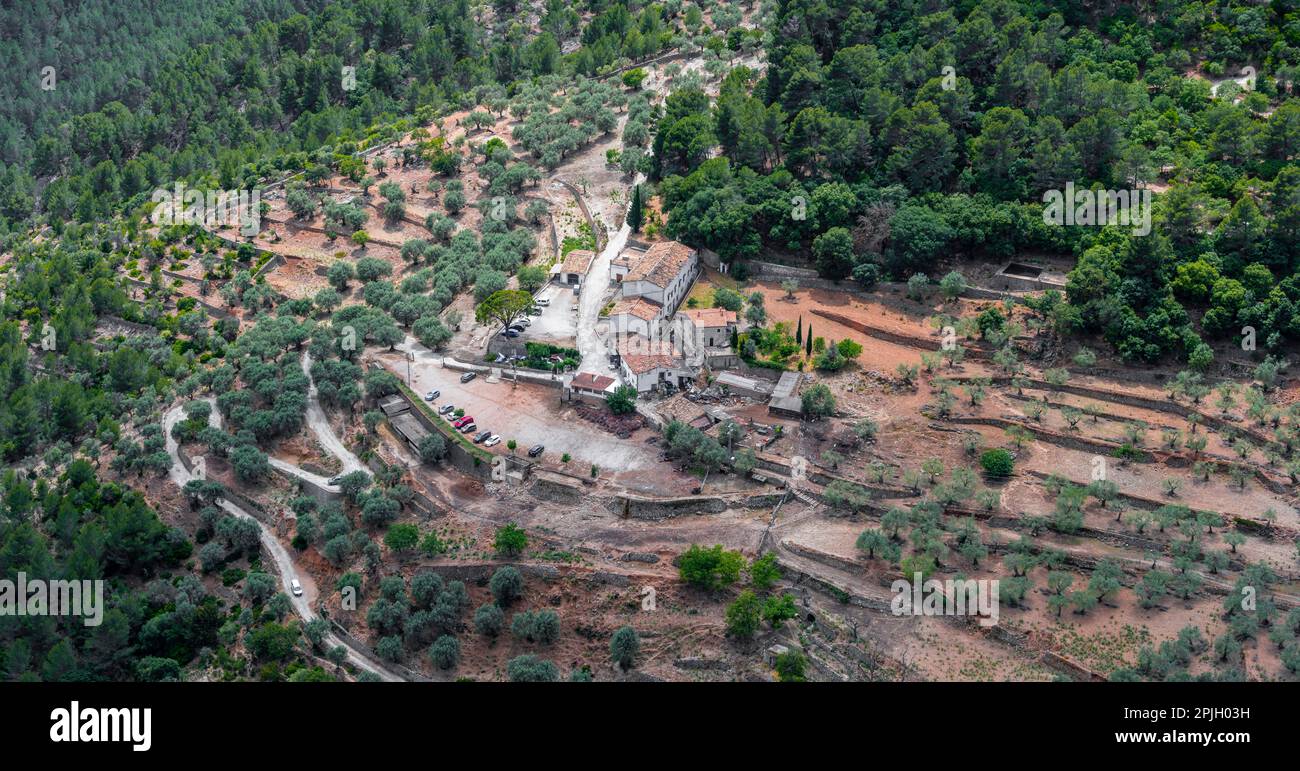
column 798, row 333
column 808, row 341
column 635, row 210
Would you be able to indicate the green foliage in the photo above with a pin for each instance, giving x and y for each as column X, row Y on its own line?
column 790, row 667
column 402, row 537
column 489, row 620
column 531, row 669
column 818, row 401
column 764, row 572
column 507, row 585
column 541, row 626
column 622, row 401
column 778, row 610
column 997, row 462
column 445, row 652
column 624, row 645
column 710, row 568
column 511, row 540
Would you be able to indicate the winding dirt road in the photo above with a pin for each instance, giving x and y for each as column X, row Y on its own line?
column 279, row 555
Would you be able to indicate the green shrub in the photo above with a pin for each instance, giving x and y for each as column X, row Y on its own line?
column 997, row 462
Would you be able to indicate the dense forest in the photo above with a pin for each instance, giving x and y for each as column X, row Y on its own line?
column 100, row 52
column 914, row 132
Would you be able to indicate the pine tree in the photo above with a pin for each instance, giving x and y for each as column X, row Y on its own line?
column 635, row 210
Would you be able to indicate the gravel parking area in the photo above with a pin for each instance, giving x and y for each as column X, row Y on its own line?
column 558, row 323
column 530, row 414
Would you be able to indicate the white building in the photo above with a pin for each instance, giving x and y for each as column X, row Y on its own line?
column 662, row 273
column 645, row 364
column 573, row 271
column 590, row 387
column 635, row 316
column 711, row 327
column 653, row 282
column 705, row 336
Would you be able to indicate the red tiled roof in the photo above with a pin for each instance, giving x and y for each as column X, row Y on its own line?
column 642, row 308
column 661, row 263
column 589, row 381
column 643, row 355
column 578, row 261
column 710, row 317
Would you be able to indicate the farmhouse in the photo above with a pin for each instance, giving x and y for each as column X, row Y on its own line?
column 662, row 273
column 635, row 316
column 711, row 327
column 646, row 365
column 706, row 336
column 590, row 386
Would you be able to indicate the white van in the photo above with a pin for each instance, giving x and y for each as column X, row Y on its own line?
column 295, row 587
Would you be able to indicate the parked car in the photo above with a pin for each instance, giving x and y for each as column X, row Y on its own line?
column 517, row 327
column 536, row 450
column 576, row 288
column 335, row 479
column 492, row 441
column 468, row 376
column 465, row 429
column 295, row 587
column 462, row 420
column 542, row 301
column 481, row 436
column 432, row 395
column 446, row 409
column 510, row 333
column 525, row 321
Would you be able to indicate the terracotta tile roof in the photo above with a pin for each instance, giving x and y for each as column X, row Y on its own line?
column 661, row 263
column 591, row 382
column 578, row 261
column 640, row 307
column 710, row 317
column 642, row 356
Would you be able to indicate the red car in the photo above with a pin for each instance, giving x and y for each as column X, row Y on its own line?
column 462, row 421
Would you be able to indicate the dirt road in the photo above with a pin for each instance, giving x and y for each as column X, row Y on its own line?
column 302, row 605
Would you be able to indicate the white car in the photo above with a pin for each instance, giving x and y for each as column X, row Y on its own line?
column 542, row 301
column 492, row 440
column 295, row 587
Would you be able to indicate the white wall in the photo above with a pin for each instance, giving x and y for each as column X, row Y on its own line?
column 629, row 324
